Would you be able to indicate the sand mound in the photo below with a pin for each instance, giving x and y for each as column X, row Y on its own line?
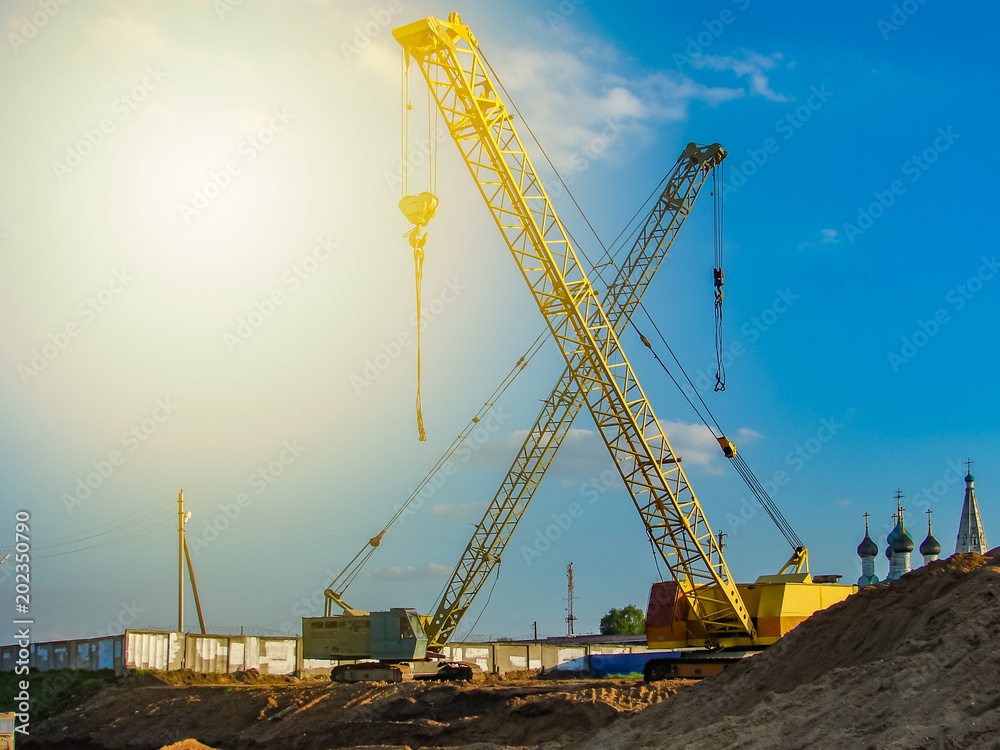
column 910, row 664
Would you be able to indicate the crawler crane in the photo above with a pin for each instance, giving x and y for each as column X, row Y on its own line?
column 349, row 635
column 702, row 605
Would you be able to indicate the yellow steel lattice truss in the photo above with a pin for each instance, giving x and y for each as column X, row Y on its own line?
column 485, row 548
column 477, row 119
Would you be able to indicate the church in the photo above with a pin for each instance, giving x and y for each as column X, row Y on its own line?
column 899, row 543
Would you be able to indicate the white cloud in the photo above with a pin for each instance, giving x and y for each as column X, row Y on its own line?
column 579, row 102
column 745, row 435
column 746, row 64
column 829, row 237
column 696, row 444
column 429, row 572
column 579, row 111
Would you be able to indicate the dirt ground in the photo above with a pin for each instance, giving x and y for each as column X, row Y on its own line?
column 913, row 664
column 910, row 664
column 168, row 710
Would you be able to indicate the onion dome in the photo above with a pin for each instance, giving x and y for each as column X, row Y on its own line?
column 903, row 543
column 867, row 548
column 930, row 546
column 899, row 540
column 888, row 553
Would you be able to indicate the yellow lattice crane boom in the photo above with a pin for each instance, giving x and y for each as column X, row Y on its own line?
column 478, row 120
column 544, row 438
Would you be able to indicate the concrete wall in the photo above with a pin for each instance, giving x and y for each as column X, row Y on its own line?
column 511, row 656
column 89, row 654
column 168, row 651
column 165, row 651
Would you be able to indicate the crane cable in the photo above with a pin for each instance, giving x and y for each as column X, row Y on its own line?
column 738, row 462
column 735, row 459
column 353, row 568
column 718, row 275
column 415, row 239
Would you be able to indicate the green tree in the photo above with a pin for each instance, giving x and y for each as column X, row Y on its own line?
column 626, row 621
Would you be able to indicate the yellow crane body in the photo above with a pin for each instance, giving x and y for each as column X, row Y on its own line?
column 776, row 603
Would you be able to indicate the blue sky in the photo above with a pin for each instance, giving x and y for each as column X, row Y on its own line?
column 201, row 255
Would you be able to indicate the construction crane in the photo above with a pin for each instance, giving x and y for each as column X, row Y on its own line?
column 702, row 605
column 560, row 409
column 322, row 639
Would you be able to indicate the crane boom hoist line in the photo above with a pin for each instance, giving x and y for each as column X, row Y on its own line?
column 461, row 83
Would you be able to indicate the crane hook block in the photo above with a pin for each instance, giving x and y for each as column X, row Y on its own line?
column 728, row 448
column 419, row 209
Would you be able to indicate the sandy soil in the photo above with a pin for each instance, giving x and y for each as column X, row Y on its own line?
column 907, row 665
column 149, row 713
column 910, row 664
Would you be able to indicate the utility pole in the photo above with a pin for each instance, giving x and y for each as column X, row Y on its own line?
column 570, row 617
column 184, row 555
column 180, row 561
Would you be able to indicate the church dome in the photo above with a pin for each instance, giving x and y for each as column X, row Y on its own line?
column 903, row 542
column 930, row 546
column 867, row 548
